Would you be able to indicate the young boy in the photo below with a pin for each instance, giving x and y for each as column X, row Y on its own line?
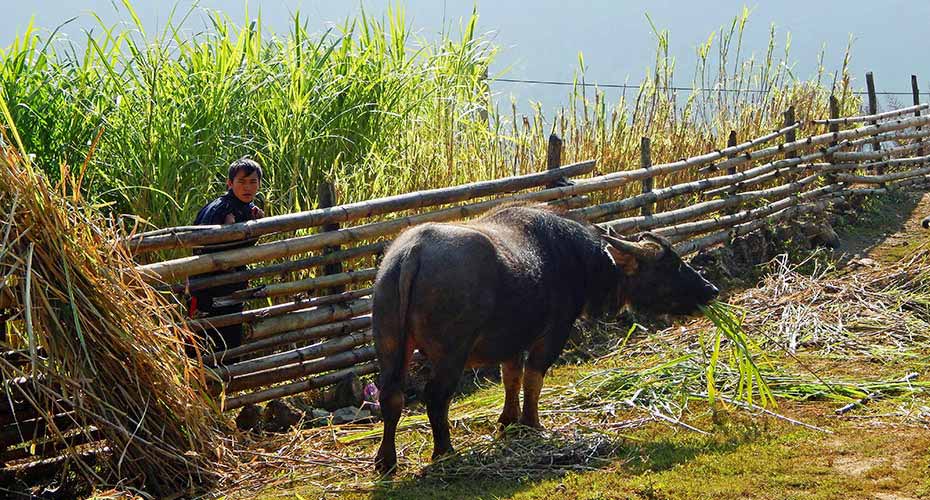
column 237, row 205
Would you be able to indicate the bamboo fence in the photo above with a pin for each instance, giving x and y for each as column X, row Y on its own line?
column 295, row 342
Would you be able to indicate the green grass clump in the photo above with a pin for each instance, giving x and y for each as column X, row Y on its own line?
column 751, row 380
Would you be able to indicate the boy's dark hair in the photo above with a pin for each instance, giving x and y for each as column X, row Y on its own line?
column 245, row 165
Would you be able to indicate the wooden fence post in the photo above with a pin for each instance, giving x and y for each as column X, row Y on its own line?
column 645, row 160
column 916, row 93
column 834, row 128
column 731, row 142
column 326, row 195
column 873, row 109
column 792, row 135
column 554, row 160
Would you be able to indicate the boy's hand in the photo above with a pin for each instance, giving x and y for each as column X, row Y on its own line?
column 257, row 213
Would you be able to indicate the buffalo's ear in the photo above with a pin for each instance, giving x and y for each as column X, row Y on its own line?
column 625, row 262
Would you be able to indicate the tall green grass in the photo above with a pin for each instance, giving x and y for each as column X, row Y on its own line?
column 174, row 109
column 147, row 122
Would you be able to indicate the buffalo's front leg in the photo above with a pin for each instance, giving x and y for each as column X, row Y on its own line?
column 532, row 387
column 512, row 376
column 542, row 354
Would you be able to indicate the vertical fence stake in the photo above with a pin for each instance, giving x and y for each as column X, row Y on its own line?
column 645, row 161
column 554, row 160
column 326, row 194
column 792, row 135
column 731, row 142
column 916, row 92
column 834, row 129
column 873, row 109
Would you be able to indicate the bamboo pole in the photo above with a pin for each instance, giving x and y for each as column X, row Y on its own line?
column 23, row 432
column 639, row 223
column 873, row 109
column 52, row 447
column 645, row 162
column 554, row 160
column 194, row 284
column 816, row 140
column 681, row 232
column 354, row 211
column 897, row 162
column 174, row 231
column 696, row 245
column 299, row 387
column 834, row 128
column 768, row 177
column 866, row 191
column 877, row 155
column 334, row 362
column 872, row 117
column 326, row 193
column 295, row 356
column 324, row 331
column 315, row 317
column 598, row 212
column 790, row 136
column 913, row 183
column 731, row 140
column 915, row 92
column 891, row 136
column 275, row 310
column 881, row 179
column 294, row 287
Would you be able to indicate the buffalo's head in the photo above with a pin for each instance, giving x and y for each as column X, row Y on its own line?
column 654, row 279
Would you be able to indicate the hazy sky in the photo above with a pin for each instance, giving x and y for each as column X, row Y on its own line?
column 541, row 39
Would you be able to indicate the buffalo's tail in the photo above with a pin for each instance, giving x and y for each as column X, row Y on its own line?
column 390, row 322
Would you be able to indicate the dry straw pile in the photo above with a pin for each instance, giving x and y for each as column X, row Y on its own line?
column 93, row 354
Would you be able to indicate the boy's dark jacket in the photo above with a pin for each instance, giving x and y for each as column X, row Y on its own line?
column 214, row 213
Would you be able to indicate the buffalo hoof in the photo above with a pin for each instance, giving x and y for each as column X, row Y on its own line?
column 506, row 420
column 532, row 424
column 442, row 452
column 385, row 465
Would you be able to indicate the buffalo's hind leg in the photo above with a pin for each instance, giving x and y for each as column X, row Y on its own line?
column 392, row 404
column 394, row 354
column 447, row 372
column 512, row 377
column 542, row 354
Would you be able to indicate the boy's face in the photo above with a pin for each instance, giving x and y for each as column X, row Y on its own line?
column 244, row 186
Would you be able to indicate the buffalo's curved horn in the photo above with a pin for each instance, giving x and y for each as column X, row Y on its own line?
column 659, row 240
column 644, row 252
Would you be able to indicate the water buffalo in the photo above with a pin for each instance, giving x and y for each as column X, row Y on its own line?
column 512, row 282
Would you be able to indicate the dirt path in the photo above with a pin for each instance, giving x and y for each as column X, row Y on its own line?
column 888, row 231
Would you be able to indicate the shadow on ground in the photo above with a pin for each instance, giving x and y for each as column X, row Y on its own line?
column 891, row 221
column 521, row 458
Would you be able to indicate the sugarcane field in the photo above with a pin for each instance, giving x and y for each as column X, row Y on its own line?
column 464, row 250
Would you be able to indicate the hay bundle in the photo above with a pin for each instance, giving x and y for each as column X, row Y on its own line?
column 876, row 310
column 91, row 349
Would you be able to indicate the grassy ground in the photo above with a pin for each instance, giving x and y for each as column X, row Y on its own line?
column 662, row 449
